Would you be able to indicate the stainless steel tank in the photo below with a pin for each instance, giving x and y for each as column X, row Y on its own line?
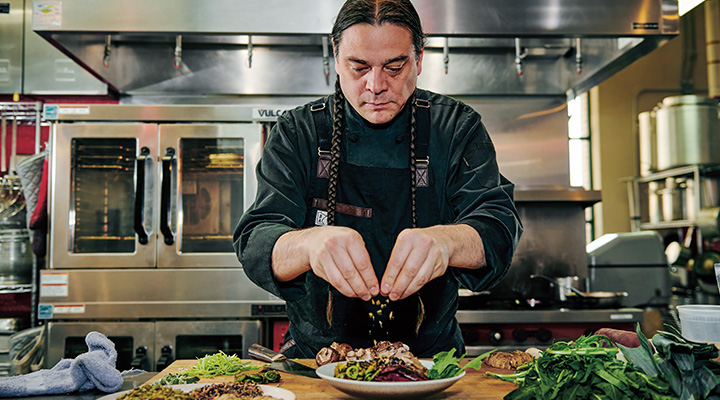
column 688, row 131
column 16, row 257
column 648, row 142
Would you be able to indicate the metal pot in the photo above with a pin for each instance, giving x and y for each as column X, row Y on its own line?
column 16, row 257
column 563, row 285
column 688, row 131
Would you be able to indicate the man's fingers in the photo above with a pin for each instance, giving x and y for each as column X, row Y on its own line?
column 349, row 273
column 361, row 260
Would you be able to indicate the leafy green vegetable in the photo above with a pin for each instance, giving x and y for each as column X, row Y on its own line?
column 446, row 365
column 176, row 379
column 219, row 364
column 586, row 368
column 269, row 376
column 684, row 364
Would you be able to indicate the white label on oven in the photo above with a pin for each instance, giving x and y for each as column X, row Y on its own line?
column 53, row 284
column 77, row 110
column 69, row 308
column 53, row 277
column 616, row 317
column 53, row 290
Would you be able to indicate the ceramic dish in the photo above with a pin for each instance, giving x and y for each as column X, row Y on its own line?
column 378, row 390
column 280, row 393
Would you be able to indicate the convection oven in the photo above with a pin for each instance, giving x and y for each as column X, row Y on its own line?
column 143, row 203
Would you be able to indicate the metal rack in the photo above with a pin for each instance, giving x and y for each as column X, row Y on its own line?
column 640, row 198
column 16, row 112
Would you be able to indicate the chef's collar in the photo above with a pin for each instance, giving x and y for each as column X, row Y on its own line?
column 402, row 120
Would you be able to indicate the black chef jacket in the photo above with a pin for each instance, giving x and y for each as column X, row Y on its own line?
column 465, row 188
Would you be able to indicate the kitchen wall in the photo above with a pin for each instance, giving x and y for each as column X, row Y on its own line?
column 612, row 120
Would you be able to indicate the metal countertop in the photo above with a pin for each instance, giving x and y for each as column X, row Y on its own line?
column 561, row 315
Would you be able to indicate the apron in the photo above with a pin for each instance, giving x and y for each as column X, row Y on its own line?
column 376, row 202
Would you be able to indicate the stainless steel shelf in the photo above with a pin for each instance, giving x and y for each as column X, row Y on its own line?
column 562, row 315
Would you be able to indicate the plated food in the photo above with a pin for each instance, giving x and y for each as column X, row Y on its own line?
column 395, row 390
column 216, row 391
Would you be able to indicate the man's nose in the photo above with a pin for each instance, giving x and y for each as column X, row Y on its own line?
column 376, row 81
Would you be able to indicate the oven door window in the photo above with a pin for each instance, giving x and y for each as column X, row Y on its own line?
column 198, row 346
column 102, row 182
column 211, row 175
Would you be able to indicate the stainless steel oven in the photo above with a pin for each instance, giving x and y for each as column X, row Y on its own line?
column 152, row 346
column 139, row 194
column 143, row 204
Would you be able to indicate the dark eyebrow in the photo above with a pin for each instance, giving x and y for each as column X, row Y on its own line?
column 396, row 59
column 390, row 61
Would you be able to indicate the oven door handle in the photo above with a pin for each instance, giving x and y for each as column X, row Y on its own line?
column 139, row 224
column 165, row 211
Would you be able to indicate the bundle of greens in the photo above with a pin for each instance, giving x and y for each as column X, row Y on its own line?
column 446, row 365
column 586, row 368
column 219, row 364
column 686, row 365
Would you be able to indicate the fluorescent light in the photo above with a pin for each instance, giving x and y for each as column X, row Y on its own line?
column 686, row 5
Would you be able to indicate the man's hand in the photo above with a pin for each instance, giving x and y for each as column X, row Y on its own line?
column 334, row 253
column 423, row 254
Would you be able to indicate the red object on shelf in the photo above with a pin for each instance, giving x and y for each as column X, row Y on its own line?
column 15, row 304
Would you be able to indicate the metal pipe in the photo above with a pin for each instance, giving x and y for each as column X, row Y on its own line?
column 3, row 140
column 177, row 59
column 712, row 40
column 13, row 148
column 578, row 55
column 38, row 129
column 519, row 56
column 446, row 54
column 250, row 51
column 106, row 55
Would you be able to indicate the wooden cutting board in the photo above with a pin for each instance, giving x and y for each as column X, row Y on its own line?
column 474, row 386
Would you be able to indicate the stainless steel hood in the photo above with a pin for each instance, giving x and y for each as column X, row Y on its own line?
column 185, row 47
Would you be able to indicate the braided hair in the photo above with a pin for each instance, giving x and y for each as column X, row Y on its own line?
column 372, row 12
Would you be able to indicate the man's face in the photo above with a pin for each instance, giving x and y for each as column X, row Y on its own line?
column 377, row 69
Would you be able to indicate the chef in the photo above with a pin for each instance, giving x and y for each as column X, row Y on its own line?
column 375, row 204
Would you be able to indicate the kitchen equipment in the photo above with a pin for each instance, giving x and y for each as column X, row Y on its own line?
column 16, row 257
column 143, row 202
column 700, row 322
column 679, row 254
column 708, row 222
column 596, row 299
column 704, row 265
column 153, row 194
column 152, row 346
column 519, row 328
column 563, row 285
column 673, row 199
column 688, row 131
column 279, row 362
column 632, row 262
column 648, row 142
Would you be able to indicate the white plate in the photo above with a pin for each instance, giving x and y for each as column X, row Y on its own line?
column 273, row 391
column 386, row 389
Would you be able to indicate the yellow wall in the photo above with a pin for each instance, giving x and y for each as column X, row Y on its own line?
column 612, row 120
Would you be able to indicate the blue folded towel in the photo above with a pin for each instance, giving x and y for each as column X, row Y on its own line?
column 94, row 369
